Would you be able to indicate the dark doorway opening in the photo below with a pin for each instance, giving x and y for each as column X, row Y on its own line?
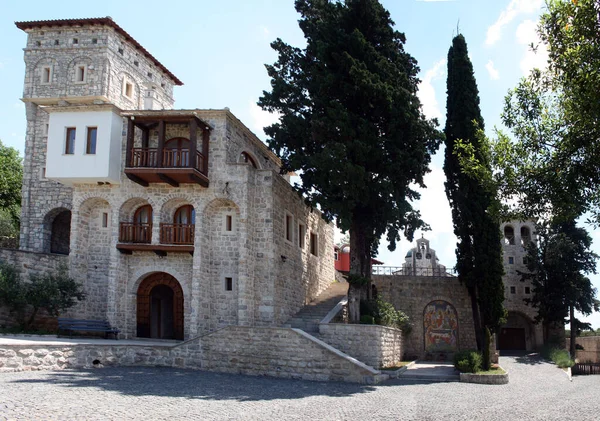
column 160, row 307
column 60, row 233
column 512, row 339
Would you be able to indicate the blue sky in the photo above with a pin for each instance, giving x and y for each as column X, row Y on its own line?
column 219, row 48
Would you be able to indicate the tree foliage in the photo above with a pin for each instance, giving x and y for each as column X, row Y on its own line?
column 53, row 292
column 11, row 177
column 351, row 123
column 554, row 165
column 557, row 267
column 472, row 196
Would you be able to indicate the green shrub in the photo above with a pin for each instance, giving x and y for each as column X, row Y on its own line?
column 53, row 292
column 468, row 361
column 385, row 314
column 365, row 319
column 558, row 356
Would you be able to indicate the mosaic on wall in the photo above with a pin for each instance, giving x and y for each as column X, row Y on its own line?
column 440, row 325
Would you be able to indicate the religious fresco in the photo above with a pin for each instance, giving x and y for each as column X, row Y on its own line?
column 440, row 326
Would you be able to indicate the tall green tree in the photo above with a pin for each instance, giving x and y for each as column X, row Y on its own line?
column 11, row 177
column 351, row 124
column 557, row 267
column 554, row 114
column 472, row 198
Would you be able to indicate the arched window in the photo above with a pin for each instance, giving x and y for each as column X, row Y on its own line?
column 177, row 152
column 185, row 215
column 509, row 235
column 142, row 224
column 182, row 229
column 245, row 157
column 525, row 236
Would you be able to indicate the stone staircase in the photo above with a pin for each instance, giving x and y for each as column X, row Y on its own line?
column 311, row 314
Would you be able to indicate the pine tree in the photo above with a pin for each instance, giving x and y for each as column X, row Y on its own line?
column 351, row 124
column 472, row 199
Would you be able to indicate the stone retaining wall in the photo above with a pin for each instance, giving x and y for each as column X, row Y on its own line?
column 591, row 348
column 377, row 346
column 276, row 352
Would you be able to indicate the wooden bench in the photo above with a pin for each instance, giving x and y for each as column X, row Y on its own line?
column 83, row 325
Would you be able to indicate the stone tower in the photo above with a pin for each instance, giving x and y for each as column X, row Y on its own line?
column 83, row 71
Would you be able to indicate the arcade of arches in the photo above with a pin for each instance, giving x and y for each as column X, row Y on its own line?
column 160, row 307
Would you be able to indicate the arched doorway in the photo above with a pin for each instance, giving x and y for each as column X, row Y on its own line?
column 160, row 307
column 57, row 231
column 517, row 334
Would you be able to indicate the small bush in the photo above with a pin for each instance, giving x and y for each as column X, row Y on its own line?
column 558, row 356
column 385, row 314
column 468, row 361
column 367, row 320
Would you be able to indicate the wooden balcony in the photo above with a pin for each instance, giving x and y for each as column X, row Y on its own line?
column 173, row 238
column 135, row 233
column 145, row 165
column 177, row 234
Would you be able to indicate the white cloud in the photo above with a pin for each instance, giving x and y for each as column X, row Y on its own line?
column 434, row 206
column 1, row 65
column 494, row 74
column 426, row 94
column 19, row 105
column 526, row 35
column 514, row 9
column 261, row 118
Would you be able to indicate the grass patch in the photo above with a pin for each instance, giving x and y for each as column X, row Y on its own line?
column 559, row 356
column 492, row 371
column 396, row 366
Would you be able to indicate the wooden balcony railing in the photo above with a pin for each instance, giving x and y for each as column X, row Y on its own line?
column 135, row 233
column 177, row 233
column 171, row 158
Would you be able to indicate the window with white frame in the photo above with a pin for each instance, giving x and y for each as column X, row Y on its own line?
column 46, row 75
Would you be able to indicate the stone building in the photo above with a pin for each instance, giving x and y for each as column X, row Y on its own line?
column 439, row 306
column 177, row 222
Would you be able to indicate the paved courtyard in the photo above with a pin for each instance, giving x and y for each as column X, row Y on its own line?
column 537, row 391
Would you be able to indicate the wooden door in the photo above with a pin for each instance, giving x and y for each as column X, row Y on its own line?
column 144, row 305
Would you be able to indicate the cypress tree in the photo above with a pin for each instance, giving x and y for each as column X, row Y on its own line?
column 351, row 124
column 472, row 200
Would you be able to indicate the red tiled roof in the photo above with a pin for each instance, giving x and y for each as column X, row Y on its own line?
column 107, row 21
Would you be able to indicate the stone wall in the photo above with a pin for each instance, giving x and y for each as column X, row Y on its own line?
column 514, row 253
column 590, row 351
column 376, row 346
column 412, row 294
column 276, row 352
column 108, row 58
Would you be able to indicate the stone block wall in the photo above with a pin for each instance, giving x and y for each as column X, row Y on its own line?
column 376, row 346
column 300, row 274
column 590, row 351
column 275, row 352
column 412, row 294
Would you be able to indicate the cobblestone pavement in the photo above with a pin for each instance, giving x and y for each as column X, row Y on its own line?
column 537, row 391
